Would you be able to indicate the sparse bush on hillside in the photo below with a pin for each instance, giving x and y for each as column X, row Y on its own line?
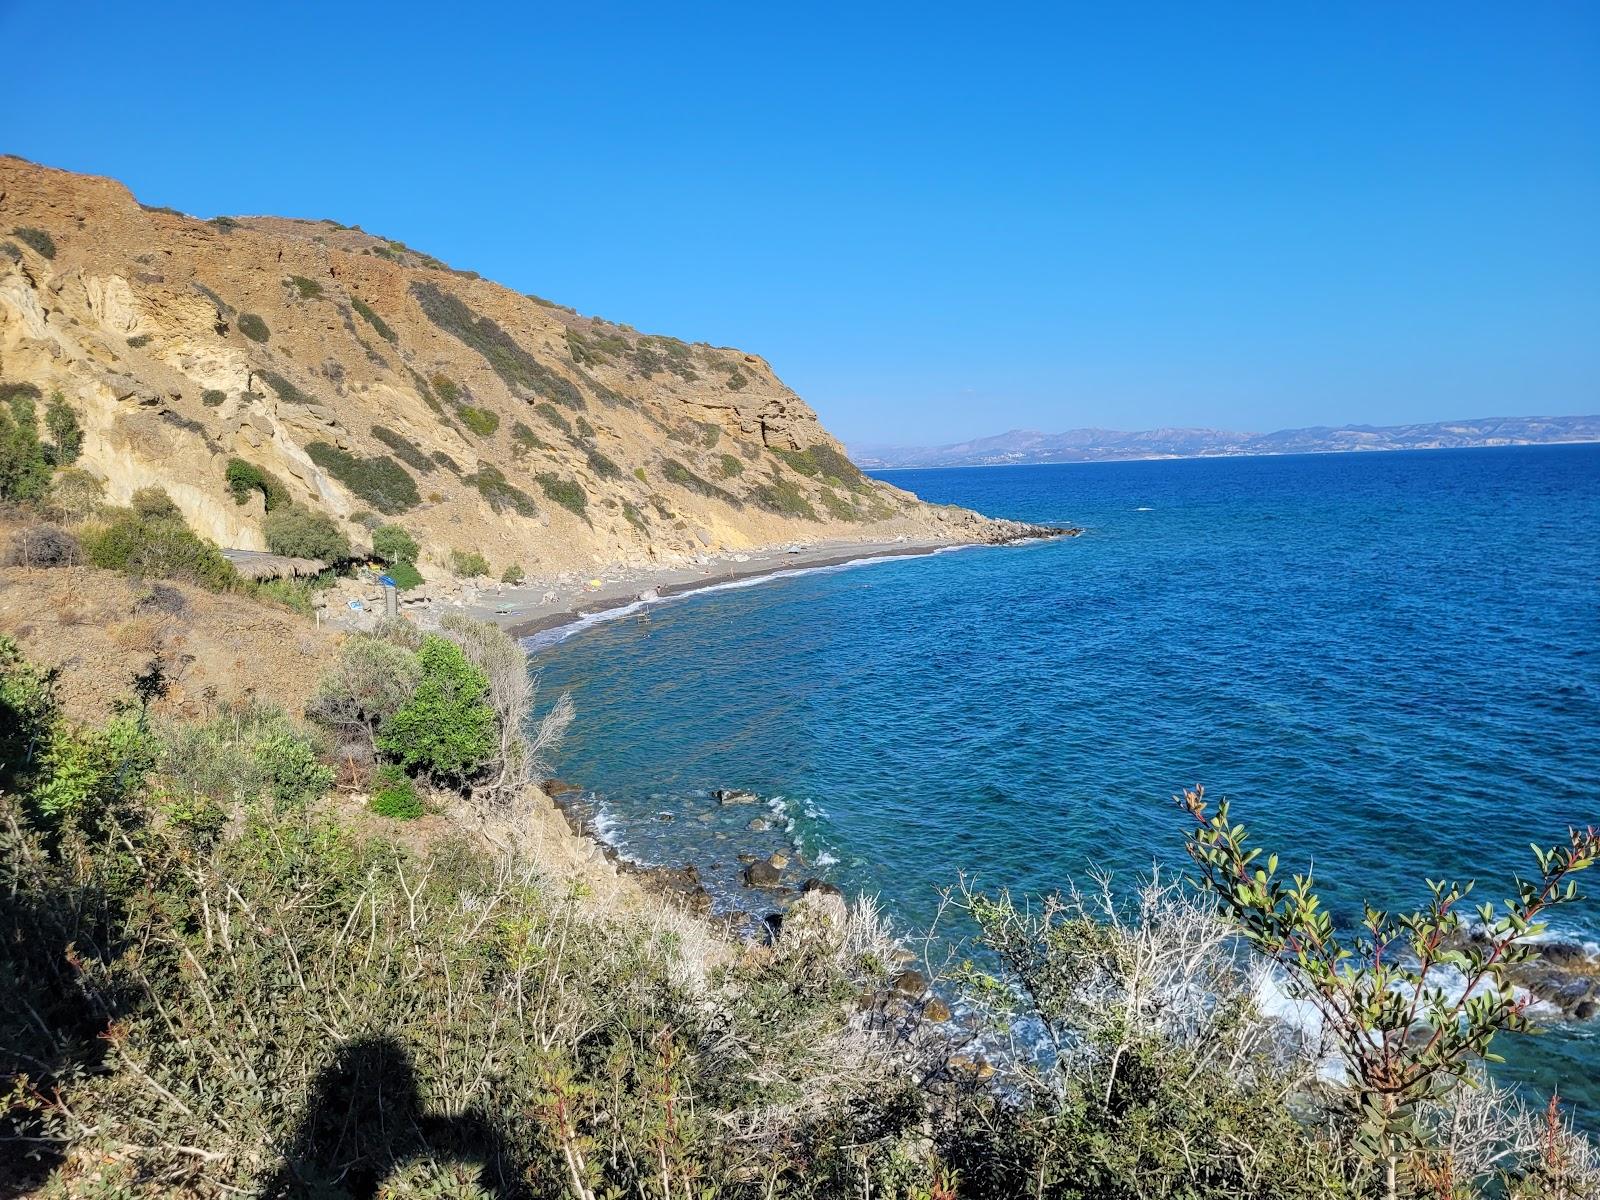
column 568, row 493
column 481, row 421
column 736, row 381
column 782, row 496
column 449, row 391
column 501, row 494
column 731, row 466
column 300, row 533
column 514, row 574
column 508, row 360
column 37, row 238
column 74, row 494
column 253, row 327
column 404, row 449
column 379, row 325
column 244, row 478
column 213, row 397
column 139, row 341
column 675, row 472
column 469, row 564
column 823, row 461
column 287, row 391
column 524, row 440
column 837, row 506
column 603, row 467
column 226, row 224
column 309, row 289
column 638, row 473
column 150, row 539
column 379, row 480
column 550, row 413
column 40, row 546
column 631, row 513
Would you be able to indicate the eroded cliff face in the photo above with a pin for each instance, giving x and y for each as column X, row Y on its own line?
column 375, row 382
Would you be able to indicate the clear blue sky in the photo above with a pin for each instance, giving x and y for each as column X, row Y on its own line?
column 936, row 222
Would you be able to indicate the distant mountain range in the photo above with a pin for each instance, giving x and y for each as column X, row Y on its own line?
column 1022, row 446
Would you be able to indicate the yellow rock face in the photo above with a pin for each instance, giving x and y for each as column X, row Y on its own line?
column 372, row 379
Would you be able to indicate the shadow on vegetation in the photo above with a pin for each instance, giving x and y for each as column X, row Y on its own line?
column 365, row 1120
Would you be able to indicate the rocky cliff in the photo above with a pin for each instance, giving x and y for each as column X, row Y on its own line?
column 376, row 383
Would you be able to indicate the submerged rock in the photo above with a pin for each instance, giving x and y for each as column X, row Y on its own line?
column 734, row 796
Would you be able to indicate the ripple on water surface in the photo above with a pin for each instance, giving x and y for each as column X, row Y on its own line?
column 1387, row 661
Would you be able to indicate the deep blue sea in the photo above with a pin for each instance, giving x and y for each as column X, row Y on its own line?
column 1389, row 662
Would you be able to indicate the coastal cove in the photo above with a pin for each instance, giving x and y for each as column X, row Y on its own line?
column 1390, row 663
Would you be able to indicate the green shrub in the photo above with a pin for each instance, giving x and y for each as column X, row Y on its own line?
column 837, row 506
column 366, row 685
column 212, row 397
column 373, row 319
column 737, row 382
column 782, row 496
column 550, row 413
column 631, row 513
column 379, row 480
column 253, row 327
column 75, row 494
column 603, row 467
column 582, row 426
column 153, row 503
column 524, row 440
column 731, row 466
column 300, row 533
column 139, row 341
column 152, row 540
column 638, row 473
column 566, row 492
column 297, row 595
column 445, row 461
column 824, row 461
column 394, row 544
column 481, row 421
column 250, row 753
column 501, row 494
column 309, row 289
column 514, row 574
column 394, row 795
column 66, row 435
column 405, row 575
column 447, row 727
column 404, row 449
column 447, row 388
column 37, row 238
column 505, row 357
column 675, row 472
column 243, row 478
column 286, row 390
column 468, row 563
column 226, row 224
column 24, row 461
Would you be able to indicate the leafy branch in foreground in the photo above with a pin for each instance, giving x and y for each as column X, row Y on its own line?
column 1406, row 1036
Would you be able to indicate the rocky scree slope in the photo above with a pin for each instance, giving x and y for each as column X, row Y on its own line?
column 374, row 383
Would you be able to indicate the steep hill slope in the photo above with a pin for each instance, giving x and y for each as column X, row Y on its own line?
column 375, row 382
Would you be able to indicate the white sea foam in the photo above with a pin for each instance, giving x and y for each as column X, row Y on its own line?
column 560, row 633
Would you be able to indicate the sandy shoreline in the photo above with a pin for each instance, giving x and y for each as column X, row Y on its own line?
column 540, row 607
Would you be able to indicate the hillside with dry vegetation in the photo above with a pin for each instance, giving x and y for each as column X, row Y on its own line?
column 243, row 364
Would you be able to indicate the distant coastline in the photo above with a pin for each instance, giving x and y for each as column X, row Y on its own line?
column 1092, row 462
column 1031, row 448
